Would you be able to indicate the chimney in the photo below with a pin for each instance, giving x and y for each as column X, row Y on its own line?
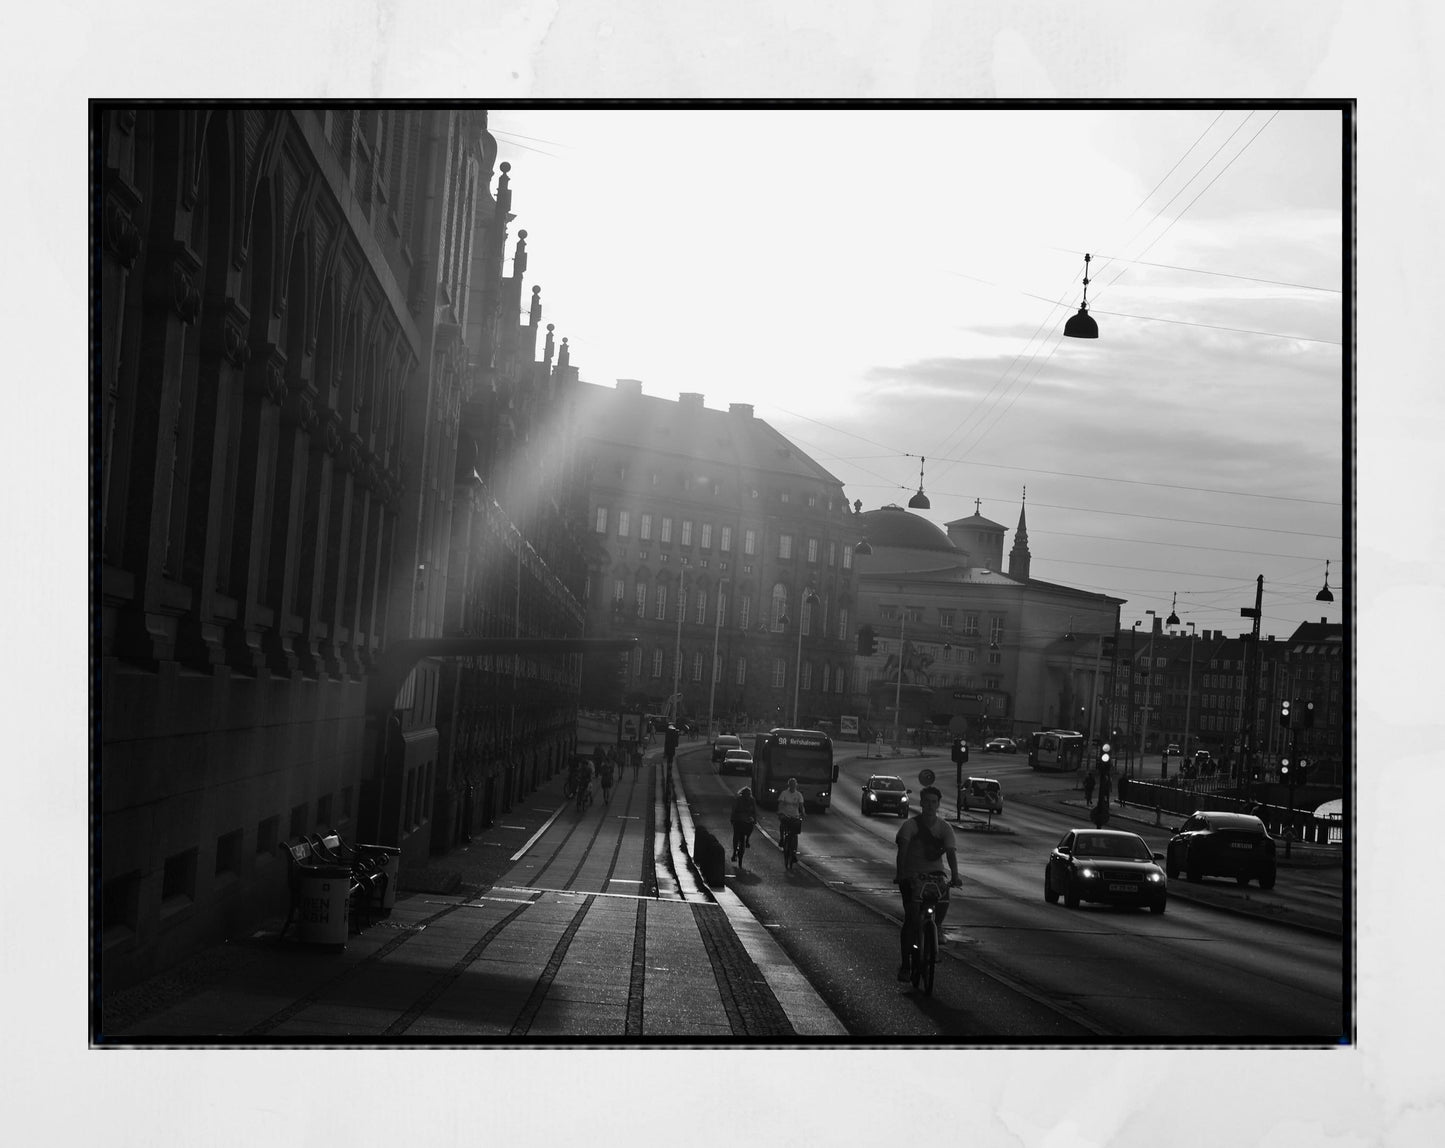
column 630, row 387
column 743, row 409
column 690, row 401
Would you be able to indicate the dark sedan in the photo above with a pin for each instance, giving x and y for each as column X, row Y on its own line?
column 1105, row 866
column 1001, row 745
column 1212, row 843
column 885, row 795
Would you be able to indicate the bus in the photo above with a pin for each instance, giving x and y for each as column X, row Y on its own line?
column 805, row 754
column 1060, row 749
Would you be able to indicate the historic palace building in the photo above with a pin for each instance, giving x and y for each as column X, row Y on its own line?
column 725, row 550
column 314, row 391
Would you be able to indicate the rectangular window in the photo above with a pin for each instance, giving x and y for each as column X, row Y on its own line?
column 970, row 625
column 832, row 554
column 266, row 831
column 697, row 667
column 995, row 657
column 642, row 599
column 843, row 625
column 945, row 619
column 624, row 523
column 827, row 678
column 644, row 528
column 742, row 672
column 785, row 546
column 661, row 614
column 805, row 679
column 750, row 541
column 995, row 633
column 657, row 662
column 725, row 539
column 721, row 609
column 178, row 880
column 838, row 680
column 601, row 523
column 780, row 673
column 746, row 613
column 700, row 616
column 970, row 657
column 619, row 592
column 228, row 853
column 706, row 540
column 812, row 550
column 666, row 535
column 687, row 531
column 717, row 666
column 847, row 558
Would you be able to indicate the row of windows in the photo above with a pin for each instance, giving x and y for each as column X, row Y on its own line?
column 833, row 678
column 965, row 622
column 812, row 547
column 689, row 482
column 778, row 620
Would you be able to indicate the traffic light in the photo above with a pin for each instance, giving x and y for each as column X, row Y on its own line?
column 960, row 751
column 1308, row 712
column 1303, row 772
column 867, row 642
column 1284, row 714
column 1106, row 755
column 1284, row 771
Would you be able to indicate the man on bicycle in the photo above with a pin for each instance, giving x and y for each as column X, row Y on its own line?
column 790, row 809
column 922, row 841
column 584, row 783
column 744, row 817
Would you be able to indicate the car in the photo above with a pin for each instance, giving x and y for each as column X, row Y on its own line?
column 723, row 743
column 982, row 793
column 885, row 794
column 736, row 761
column 1001, row 745
column 1212, row 843
column 1105, row 866
column 1171, row 750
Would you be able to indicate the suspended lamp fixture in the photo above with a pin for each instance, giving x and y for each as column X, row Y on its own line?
column 1082, row 326
column 1325, row 595
column 1173, row 619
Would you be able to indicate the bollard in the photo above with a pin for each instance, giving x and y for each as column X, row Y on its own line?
column 709, row 856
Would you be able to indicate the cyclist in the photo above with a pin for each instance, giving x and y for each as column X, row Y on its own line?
column 584, row 783
column 922, row 842
column 790, row 809
column 744, row 817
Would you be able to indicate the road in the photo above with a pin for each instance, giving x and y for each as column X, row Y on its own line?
column 1015, row 967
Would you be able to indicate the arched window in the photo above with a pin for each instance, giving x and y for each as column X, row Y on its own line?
column 780, row 606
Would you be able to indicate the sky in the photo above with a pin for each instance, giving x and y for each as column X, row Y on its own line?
column 888, row 287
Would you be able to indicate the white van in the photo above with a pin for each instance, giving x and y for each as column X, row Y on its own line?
column 983, row 793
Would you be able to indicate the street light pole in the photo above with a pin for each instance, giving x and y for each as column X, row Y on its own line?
column 1148, row 681
column 675, row 700
column 716, row 626
column 1189, row 693
column 809, row 598
column 898, row 690
column 1133, row 678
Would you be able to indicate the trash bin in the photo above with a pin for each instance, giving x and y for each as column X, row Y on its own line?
column 708, row 854
column 323, row 916
column 390, row 858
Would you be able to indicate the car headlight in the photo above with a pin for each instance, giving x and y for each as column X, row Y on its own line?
column 872, row 797
column 1156, row 877
column 1087, row 873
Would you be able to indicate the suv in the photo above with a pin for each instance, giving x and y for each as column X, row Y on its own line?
column 885, row 794
column 983, row 793
column 724, row 742
column 1212, row 843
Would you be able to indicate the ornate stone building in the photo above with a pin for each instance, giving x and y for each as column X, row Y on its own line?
column 710, row 531
column 313, row 401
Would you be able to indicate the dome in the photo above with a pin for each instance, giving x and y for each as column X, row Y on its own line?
column 895, row 527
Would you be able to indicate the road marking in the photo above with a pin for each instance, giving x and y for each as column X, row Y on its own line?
column 517, row 856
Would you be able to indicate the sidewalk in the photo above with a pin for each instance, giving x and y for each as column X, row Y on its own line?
column 552, row 925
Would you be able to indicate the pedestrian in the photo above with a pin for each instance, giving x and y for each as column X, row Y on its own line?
column 1089, row 788
column 607, row 776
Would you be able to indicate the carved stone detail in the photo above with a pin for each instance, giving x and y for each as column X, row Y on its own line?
column 185, row 298
column 233, row 341
column 122, row 236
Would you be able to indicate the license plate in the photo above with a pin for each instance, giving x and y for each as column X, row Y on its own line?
column 1123, row 888
column 1240, row 845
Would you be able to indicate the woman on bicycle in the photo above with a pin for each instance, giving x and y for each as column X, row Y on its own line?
column 923, row 841
column 744, row 817
column 790, row 809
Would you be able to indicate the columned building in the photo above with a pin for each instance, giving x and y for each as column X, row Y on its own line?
column 962, row 645
column 725, row 550
column 300, row 318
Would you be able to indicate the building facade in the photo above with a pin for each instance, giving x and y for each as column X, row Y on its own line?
column 297, row 311
column 960, row 644
column 725, row 550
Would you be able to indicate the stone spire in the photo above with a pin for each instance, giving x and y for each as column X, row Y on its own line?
column 1018, row 557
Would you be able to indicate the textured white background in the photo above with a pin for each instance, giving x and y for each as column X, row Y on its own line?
column 1388, row 1090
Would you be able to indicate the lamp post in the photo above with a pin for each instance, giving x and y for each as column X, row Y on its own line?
column 898, row 689
column 1148, row 681
column 1133, row 680
column 1189, row 692
column 809, row 599
column 674, row 702
column 716, row 626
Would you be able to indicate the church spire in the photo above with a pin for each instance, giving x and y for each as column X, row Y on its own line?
column 1018, row 557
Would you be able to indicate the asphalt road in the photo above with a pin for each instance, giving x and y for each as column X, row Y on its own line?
column 1017, row 969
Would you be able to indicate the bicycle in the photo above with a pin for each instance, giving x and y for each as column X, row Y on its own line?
column 584, row 797
column 790, row 827
column 740, row 846
column 931, row 889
